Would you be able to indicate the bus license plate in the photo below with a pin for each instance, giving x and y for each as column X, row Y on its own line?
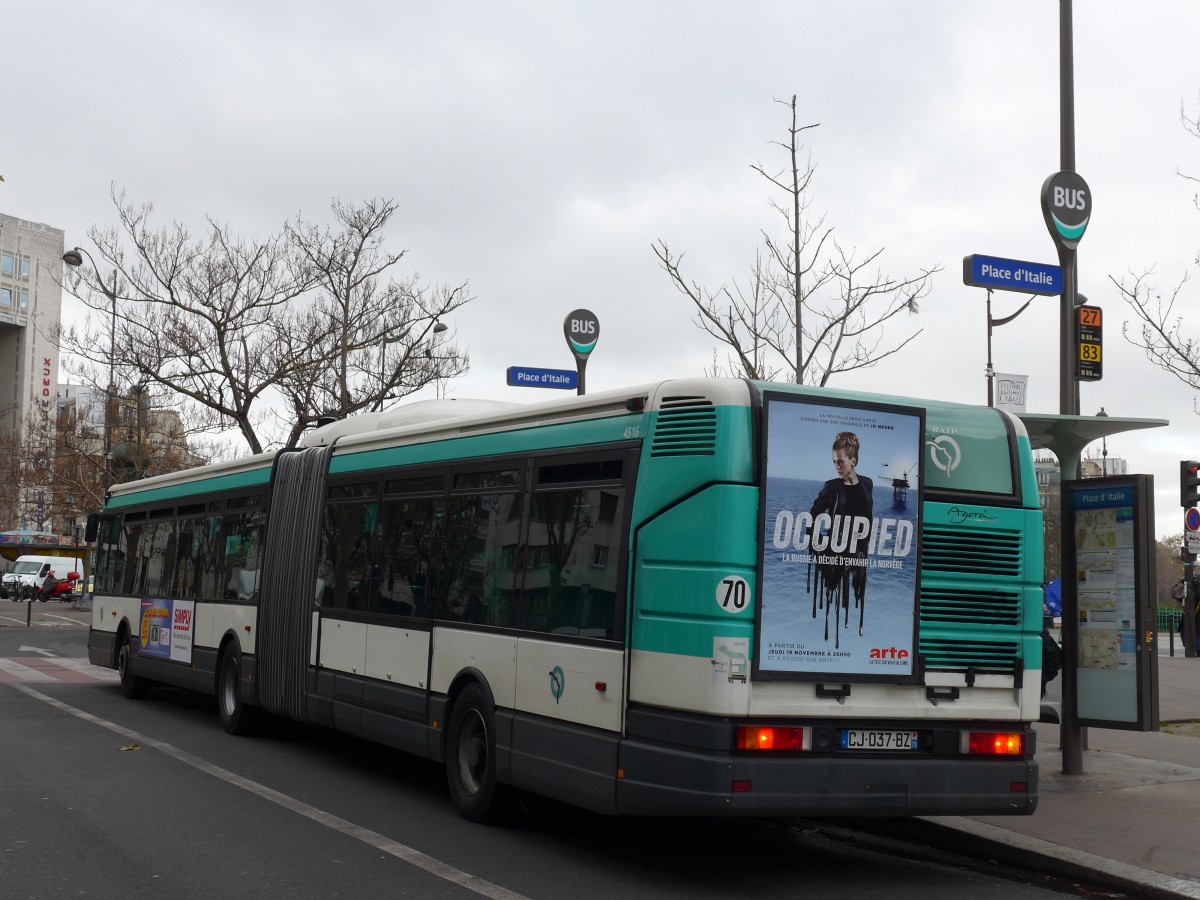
column 863, row 739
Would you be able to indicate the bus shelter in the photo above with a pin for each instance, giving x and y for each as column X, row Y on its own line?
column 1066, row 436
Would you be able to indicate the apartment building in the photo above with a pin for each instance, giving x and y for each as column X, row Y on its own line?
column 30, row 311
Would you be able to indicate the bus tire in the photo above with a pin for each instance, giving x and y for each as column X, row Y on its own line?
column 133, row 687
column 471, row 758
column 236, row 716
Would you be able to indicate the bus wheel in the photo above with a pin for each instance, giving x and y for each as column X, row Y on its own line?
column 471, row 758
column 132, row 686
column 236, row 716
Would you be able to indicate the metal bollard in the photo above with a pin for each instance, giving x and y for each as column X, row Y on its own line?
column 29, row 614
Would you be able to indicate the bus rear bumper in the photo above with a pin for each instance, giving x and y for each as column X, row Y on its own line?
column 659, row 780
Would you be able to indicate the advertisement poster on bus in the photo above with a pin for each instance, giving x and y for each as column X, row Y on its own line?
column 841, row 529
column 166, row 631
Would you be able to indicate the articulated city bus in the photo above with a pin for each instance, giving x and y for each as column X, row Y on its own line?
column 695, row 597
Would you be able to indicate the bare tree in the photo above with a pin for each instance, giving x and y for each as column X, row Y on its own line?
column 235, row 327
column 59, row 467
column 1168, row 568
column 46, row 482
column 12, row 479
column 812, row 308
column 1160, row 332
column 367, row 339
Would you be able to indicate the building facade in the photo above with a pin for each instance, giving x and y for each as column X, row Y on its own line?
column 30, row 312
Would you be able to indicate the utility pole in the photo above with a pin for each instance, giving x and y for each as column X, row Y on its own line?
column 1066, row 207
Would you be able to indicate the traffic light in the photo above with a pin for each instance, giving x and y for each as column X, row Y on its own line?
column 1189, row 483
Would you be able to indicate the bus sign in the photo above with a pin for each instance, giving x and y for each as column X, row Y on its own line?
column 1066, row 207
column 581, row 329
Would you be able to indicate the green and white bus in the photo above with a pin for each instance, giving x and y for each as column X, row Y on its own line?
column 695, row 597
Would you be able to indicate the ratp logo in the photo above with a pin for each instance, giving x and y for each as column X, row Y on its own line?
column 944, row 453
column 558, row 683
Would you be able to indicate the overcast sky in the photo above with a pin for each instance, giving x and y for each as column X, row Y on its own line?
column 537, row 150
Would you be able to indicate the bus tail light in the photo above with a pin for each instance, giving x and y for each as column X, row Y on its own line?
column 769, row 737
column 992, row 743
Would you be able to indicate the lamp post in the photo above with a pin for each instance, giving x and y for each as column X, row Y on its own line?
column 74, row 258
column 1104, row 446
column 995, row 323
column 438, row 327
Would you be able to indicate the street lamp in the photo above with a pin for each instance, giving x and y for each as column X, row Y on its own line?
column 1104, row 445
column 991, row 324
column 383, row 379
column 75, row 258
column 438, row 328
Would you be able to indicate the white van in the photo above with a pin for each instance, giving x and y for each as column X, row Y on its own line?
column 33, row 571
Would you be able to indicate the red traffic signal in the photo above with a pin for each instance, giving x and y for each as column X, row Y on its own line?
column 1189, row 483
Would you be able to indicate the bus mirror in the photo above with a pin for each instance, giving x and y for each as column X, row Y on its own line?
column 92, row 528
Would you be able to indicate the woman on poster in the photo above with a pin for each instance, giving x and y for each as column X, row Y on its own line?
column 844, row 499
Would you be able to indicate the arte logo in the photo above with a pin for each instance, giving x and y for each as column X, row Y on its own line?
column 888, row 653
column 944, row 453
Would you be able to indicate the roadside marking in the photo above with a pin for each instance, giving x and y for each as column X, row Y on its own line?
column 66, row 619
column 393, row 848
column 85, row 668
column 20, row 672
column 60, row 669
column 36, row 615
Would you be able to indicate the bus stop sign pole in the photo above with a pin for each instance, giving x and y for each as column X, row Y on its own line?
column 581, row 329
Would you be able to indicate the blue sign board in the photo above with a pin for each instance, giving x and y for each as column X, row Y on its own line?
column 1012, row 275
column 565, row 379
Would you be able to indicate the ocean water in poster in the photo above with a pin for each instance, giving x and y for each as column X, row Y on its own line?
column 840, row 535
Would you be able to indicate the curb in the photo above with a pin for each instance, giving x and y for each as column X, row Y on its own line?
column 979, row 841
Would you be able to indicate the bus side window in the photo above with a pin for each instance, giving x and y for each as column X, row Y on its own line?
column 570, row 580
column 210, row 558
column 131, row 537
column 344, row 567
column 409, row 553
column 478, row 568
column 241, row 543
column 110, row 567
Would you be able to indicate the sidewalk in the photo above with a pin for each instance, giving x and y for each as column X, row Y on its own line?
column 1132, row 817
